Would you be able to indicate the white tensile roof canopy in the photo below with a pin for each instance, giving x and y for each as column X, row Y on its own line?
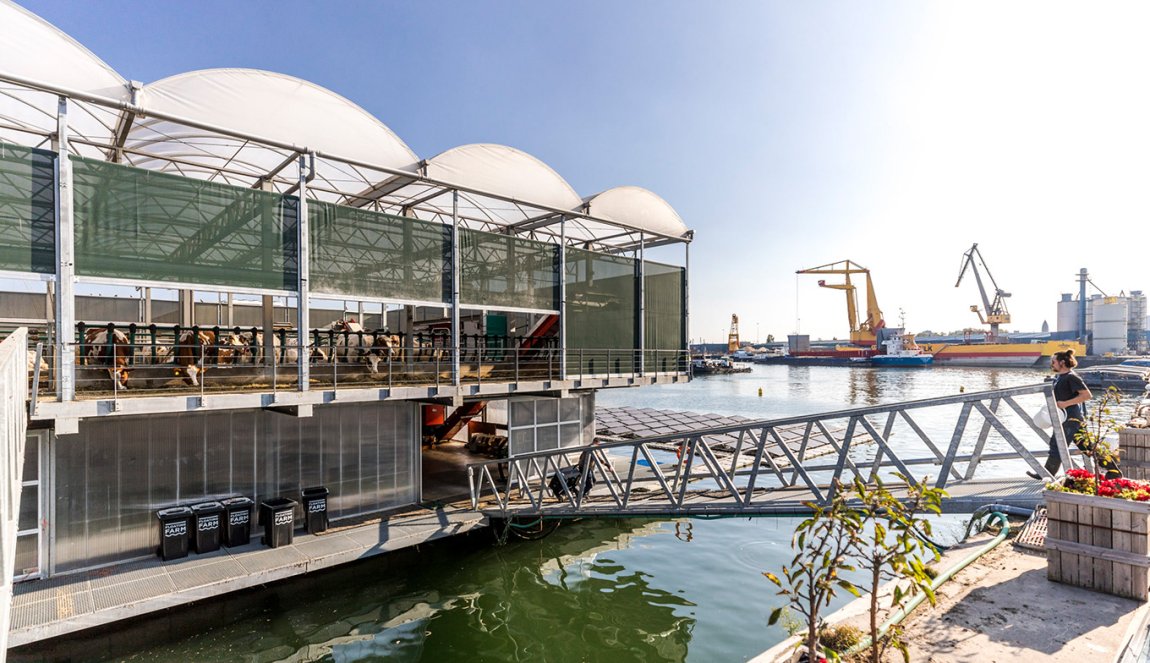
column 247, row 128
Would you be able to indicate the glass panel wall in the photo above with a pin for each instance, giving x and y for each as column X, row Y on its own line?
column 601, row 305
column 27, row 210
column 357, row 252
column 140, row 224
column 502, row 270
column 663, row 299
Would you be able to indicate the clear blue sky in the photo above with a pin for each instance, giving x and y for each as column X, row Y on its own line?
column 787, row 134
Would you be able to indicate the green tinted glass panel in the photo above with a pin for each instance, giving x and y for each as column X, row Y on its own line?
column 139, row 224
column 501, row 270
column 601, row 304
column 27, row 210
column 357, row 252
column 663, row 300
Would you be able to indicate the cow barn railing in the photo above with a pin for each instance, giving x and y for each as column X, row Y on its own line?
column 143, row 360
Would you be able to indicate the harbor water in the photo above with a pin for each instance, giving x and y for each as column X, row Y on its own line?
column 619, row 589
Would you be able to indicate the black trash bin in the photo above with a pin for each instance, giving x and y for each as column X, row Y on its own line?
column 315, row 509
column 174, row 526
column 278, row 518
column 238, row 531
column 207, row 516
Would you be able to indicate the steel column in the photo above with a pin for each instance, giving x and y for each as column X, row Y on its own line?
column 303, row 295
column 686, row 305
column 65, row 262
column 642, row 306
column 456, row 264
column 563, row 299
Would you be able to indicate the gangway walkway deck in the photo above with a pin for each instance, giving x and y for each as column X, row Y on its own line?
column 976, row 446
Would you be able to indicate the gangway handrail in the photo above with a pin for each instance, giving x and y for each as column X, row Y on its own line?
column 763, row 465
column 13, row 436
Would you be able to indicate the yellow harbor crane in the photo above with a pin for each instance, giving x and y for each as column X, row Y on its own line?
column 996, row 313
column 862, row 333
column 733, row 336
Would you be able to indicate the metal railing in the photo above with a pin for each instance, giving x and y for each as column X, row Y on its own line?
column 763, row 473
column 137, row 360
column 13, row 435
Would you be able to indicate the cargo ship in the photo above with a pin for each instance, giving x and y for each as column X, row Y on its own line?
column 1022, row 355
column 986, row 355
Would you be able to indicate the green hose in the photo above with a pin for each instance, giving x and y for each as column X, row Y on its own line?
column 921, row 596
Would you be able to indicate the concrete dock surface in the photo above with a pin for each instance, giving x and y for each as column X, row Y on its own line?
column 1002, row 609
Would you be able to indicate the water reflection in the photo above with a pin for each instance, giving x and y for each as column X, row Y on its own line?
column 564, row 598
column 863, row 387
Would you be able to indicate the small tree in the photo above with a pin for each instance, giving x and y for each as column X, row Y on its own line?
column 813, row 577
column 889, row 547
column 1092, row 435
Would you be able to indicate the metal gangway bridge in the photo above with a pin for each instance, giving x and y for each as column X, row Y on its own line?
column 976, row 446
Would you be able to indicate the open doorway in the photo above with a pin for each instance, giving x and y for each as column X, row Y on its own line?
column 453, row 437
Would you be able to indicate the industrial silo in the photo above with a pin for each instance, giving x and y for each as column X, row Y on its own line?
column 1109, row 325
column 1090, row 304
column 1136, row 321
column 1067, row 319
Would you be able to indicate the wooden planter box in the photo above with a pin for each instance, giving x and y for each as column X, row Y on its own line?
column 1099, row 543
column 1135, row 457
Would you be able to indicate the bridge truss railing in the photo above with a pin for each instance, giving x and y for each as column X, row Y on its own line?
column 951, row 439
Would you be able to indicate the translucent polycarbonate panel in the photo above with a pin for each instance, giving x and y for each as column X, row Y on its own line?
column 601, row 312
column 116, row 473
column 357, row 252
column 27, row 210
column 663, row 299
column 27, row 555
column 539, row 424
column 133, row 223
column 502, row 270
column 29, row 507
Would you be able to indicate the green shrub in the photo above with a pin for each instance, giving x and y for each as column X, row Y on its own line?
column 840, row 638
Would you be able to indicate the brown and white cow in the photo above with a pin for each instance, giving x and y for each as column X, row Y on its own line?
column 197, row 350
column 116, row 355
column 251, row 350
column 354, row 345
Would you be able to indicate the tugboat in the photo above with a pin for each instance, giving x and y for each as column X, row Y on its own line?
column 902, row 351
column 718, row 366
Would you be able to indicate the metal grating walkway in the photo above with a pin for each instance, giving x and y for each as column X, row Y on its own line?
column 66, row 604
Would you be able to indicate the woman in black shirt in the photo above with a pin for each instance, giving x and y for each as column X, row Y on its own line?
column 1070, row 392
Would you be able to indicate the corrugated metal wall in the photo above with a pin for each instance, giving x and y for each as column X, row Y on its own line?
column 112, row 477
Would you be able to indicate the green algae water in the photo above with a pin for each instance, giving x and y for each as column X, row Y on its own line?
column 593, row 590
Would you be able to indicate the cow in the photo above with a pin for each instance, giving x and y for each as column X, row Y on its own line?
column 251, row 350
column 32, row 366
column 114, row 352
column 196, row 350
column 353, row 344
